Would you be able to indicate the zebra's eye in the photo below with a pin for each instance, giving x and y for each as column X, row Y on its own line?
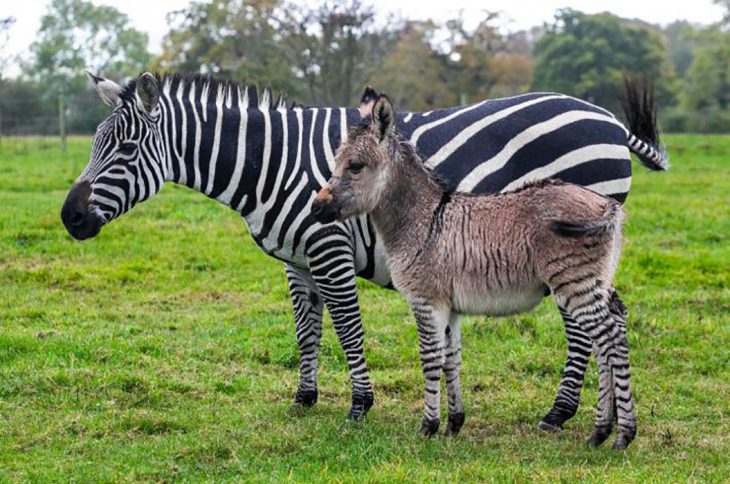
column 356, row 167
column 127, row 149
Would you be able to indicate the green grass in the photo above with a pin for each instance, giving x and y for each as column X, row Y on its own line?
column 164, row 349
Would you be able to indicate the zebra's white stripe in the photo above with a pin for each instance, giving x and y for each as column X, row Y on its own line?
column 298, row 159
column 216, row 140
column 226, row 196
column 183, row 133
column 343, row 125
column 612, row 187
column 271, row 240
column 328, row 154
column 569, row 160
column 467, row 133
column 529, row 135
column 422, row 129
column 321, row 180
column 198, row 135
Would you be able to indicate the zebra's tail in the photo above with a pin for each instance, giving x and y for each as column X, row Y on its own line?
column 643, row 134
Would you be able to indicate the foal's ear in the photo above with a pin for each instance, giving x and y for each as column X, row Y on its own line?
column 109, row 91
column 148, row 91
column 383, row 117
column 367, row 101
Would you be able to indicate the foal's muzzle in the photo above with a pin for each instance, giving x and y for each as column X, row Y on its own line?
column 323, row 207
column 80, row 222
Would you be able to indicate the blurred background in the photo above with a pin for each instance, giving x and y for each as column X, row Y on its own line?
column 322, row 53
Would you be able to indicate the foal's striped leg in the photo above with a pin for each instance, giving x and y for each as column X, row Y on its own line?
column 452, row 367
column 308, row 306
column 568, row 397
column 592, row 311
column 431, row 323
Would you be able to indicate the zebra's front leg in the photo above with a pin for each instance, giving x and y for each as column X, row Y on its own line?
column 452, row 367
column 335, row 277
column 431, row 323
column 308, row 307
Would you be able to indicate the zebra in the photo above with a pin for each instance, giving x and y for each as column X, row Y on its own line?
column 266, row 159
column 452, row 253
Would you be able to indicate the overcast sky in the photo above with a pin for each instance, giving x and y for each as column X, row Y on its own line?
column 149, row 16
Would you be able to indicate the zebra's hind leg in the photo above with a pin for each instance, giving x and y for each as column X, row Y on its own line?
column 332, row 264
column 308, row 307
column 568, row 396
column 452, row 366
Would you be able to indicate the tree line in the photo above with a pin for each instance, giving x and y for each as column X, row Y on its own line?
column 324, row 55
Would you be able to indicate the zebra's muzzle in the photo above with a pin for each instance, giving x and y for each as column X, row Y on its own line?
column 79, row 221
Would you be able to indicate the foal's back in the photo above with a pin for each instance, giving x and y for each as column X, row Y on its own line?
column 499, row 254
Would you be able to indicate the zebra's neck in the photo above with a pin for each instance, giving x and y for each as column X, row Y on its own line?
column 251, row 154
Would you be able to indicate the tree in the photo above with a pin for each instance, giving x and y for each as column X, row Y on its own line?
column 233, row 39
column 413, row 74
column 585, row 55
column 5, row 24
column 75, row 35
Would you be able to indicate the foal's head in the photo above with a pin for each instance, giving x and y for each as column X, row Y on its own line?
column 362, row 167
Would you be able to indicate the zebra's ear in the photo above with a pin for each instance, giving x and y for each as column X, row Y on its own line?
column 367, row 101
column 383, row 117
column 148, row 91
column 109, row 91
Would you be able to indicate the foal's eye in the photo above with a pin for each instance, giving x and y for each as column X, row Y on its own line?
column 127, row 149
column 355, row 167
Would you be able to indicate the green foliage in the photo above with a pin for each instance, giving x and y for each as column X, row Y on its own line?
column 75, row 35
column 164, row 349
column 707, row 84
column 412, row 74
column 585, row 55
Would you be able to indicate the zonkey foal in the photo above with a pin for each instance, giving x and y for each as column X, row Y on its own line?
column 452, row 254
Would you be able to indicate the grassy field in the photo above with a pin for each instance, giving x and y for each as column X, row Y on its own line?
column 164, row 349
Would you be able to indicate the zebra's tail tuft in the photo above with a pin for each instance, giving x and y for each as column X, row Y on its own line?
column 643, row 136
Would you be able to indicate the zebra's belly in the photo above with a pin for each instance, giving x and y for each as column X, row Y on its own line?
column 495, row 302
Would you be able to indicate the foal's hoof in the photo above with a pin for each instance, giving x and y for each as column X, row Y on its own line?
column 623, row 440
column 360, row 406
column 305, row 398
column 429, row 428
column 456, row 420
column 599, row 435
column 550, row 428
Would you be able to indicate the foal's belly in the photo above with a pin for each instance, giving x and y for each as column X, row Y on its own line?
column 496, row 302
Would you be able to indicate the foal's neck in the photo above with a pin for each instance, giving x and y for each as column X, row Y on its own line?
column 412, row 198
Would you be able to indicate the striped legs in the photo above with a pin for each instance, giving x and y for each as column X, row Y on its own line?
column 579, row 352
column 308, row 306
column 332, row 265
column 432, row 324
column 579, row 349
column 452, row 367
column 595, row 313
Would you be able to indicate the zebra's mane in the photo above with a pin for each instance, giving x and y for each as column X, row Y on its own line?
column 263, row 99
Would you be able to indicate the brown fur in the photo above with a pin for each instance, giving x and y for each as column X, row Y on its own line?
column 451, row 254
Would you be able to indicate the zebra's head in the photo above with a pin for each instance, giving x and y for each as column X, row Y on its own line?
column 127, row 162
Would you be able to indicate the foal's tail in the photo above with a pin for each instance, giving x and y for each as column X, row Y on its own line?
column 643, row 133
column 609, row 223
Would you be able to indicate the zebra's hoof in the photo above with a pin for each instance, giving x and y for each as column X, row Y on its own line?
column 599, row 435
column 360, row 406
column 454, row 425
column 306, row 398
column 429, row 428
column 555, row 418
